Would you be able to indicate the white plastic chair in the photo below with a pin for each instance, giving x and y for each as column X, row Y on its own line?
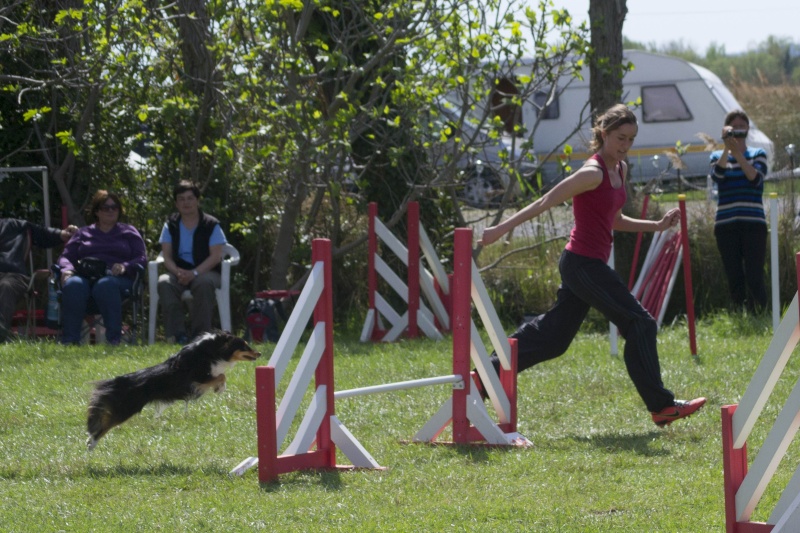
column 230, row 257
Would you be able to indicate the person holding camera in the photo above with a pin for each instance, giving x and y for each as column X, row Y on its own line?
column 740, row 226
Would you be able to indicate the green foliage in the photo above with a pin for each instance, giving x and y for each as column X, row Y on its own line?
column 772, row 107
column 527, row 283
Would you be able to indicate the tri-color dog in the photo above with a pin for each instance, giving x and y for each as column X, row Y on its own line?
column 198, row 367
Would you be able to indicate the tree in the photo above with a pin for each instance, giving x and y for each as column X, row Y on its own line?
column 279, row 109
column 392, row 99
column 606, row 67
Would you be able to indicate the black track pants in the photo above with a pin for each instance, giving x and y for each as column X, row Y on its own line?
column 585, row 283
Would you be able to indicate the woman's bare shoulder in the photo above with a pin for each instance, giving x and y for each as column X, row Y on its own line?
column 590, row 171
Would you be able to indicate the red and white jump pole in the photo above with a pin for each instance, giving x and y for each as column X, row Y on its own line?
column 687, row 275
column 466, row 410
column 321, row 428
column 657, row 278
column 433, row 284
column 638, row 245
column 744, row 488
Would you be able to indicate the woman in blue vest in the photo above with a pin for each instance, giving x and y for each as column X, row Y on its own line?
column 192, row 244
column 741, row 227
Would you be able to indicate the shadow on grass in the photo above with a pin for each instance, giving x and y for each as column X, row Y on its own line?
column 478, row 452
column 331, row 479
column 164, row 469
column 640, row 444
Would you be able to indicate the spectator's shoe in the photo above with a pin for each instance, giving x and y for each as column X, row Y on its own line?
column 476, row 381
column 679, row 409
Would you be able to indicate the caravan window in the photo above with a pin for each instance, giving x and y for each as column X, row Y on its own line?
column 502, row 106
column 549, row 112
column 663, row 103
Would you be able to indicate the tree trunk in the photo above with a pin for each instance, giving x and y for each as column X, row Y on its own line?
column 605, row 66
column 201, row 76
column 281, row 255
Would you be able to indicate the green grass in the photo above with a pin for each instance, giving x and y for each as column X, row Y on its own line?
column 671, row 196
column 598, row 463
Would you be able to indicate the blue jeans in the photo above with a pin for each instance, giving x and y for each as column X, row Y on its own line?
column 106, row 295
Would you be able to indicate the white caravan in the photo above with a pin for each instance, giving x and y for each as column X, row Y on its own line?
column 679, row 100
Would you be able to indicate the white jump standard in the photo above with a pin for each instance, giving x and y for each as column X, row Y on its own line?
column 743, row 488
column 470, row 420
column 433, row 284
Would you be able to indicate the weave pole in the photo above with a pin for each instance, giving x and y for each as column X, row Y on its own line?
column 774, row 273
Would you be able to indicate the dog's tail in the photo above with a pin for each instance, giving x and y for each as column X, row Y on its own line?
column 100, row 413
column 111, row 404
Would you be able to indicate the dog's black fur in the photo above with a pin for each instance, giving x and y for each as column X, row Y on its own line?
column 197, row 368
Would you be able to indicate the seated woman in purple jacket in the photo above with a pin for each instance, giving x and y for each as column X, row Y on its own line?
column 121, row 247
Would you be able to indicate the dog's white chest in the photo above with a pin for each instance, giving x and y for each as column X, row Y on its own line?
column 217, row 369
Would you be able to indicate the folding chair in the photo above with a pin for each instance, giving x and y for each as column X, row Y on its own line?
column 230, row 257
column 31, row 321
column 93, row 327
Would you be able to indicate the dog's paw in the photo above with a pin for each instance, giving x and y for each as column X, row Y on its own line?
column 91, row 442
column 221, row 386
column 159, row 408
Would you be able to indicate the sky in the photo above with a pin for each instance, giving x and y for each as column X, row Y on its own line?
column 738, row 25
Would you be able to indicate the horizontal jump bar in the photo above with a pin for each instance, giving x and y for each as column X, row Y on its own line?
column 400, row 385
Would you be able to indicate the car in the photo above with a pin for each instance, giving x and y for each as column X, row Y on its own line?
column 482, row 173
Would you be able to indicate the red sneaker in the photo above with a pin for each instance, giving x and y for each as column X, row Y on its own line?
column 680, row 409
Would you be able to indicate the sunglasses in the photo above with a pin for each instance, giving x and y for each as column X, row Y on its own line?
column 109, row 207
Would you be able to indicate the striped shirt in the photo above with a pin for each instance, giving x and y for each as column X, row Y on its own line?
column 739, row 199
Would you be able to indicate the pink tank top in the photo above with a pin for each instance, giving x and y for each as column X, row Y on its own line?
column 594, row 213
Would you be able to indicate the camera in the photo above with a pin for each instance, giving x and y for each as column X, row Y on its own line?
column 736, row 134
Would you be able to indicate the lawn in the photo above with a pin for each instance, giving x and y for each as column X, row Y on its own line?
column 598, row 463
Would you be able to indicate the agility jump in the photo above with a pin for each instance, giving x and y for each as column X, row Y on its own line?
column 667, row 252
column 743, row 488
column 319, row 424
column 433, row 283
column 465, row 408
